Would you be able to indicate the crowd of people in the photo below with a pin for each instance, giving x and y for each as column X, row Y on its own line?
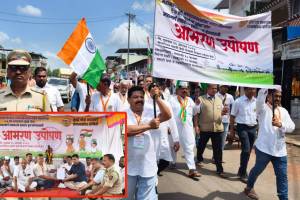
column 163, row 117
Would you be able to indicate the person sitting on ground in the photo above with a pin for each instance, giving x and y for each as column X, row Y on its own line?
column 41, row 171
column 77, row 176
column 112, row 181
column 23, row 178
column 7, row 173
column 97, row 176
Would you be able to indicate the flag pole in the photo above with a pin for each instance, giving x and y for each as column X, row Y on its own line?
column 273, row 107
column 154, row 105
column 88, row 89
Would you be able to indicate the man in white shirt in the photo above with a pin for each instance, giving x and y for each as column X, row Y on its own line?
column 104, row 100
column 270, row 145
column 147, row 82
column 184, row 110
column 123, row 94
column 227, row 100
column 243, row 112
column 23, row 178
column 30, row 160
column 41, row 172
column 54, row 97
column 163, row 146
column 15, row 164
column 97, row 177
column 142, row 165
column 6, row 173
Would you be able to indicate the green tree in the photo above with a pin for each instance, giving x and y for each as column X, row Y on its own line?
column 49, row 72
column 56, row 73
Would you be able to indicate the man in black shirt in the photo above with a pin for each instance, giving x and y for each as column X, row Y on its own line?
column 77, row 176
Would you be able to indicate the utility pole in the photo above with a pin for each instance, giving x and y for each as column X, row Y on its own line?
column 130, row 17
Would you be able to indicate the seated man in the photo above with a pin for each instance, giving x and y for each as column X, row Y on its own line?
column 41, row 171
column 98, row 176
column 15, row 164
column 112, row 182
column 77, row 177
column 67, row 163
column 6, row 173
column 23, row 178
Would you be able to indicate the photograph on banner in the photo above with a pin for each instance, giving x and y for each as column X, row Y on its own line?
column 71, row 154
column 212, row 47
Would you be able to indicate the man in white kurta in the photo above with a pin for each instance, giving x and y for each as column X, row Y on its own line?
column 123, row 94
column 23, row 178
column 184, row 110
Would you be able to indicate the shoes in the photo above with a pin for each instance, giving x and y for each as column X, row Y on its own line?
column 251, row 193
column 173, row 166
column 193, row 174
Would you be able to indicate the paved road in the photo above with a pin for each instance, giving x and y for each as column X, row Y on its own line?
column 176, row 186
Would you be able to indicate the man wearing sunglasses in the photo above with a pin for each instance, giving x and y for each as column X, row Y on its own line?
column 18, row 96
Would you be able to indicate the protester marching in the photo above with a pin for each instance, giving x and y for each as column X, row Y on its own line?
column 209, row 82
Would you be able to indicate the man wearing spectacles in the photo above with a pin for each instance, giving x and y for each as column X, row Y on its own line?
column 18, row 96
column 23, row 178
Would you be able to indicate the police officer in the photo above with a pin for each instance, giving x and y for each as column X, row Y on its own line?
column 18, row 96
column 112, row 181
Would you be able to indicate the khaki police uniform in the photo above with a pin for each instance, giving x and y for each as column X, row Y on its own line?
column 30, row 101
column 113, row 181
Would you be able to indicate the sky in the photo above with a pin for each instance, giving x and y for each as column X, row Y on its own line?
column 44, row 26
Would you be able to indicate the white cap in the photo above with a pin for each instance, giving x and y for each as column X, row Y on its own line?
column 183, row 84
column 6, row 158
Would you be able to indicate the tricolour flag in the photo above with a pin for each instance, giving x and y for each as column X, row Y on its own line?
column 81, row 53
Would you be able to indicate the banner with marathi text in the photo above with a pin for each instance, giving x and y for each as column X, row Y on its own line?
column 200, row 45
column 87, row 135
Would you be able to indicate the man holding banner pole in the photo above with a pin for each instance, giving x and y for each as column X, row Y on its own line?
column 142, row 158
column 270, row 146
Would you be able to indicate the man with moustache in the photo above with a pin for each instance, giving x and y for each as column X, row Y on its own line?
column 54, row 97
column 104, row 100
column 184, row 110
column 142, row 165
column 270, row 145
column 18, row 96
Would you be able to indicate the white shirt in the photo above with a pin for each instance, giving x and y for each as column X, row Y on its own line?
column 23, row 174
column 111, row 102
column 244, row 111
column 124, row 103
column 81, row 88
column 167, row 94
column 39, row 170
column 271, row 139
column 67, row 166
column 53, row 96
column 5, row 171
column 228, row 102
column 99, row 176
column 141, row 160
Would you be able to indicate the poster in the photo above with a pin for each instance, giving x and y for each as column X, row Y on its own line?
column 87, row 135
column 200, row 45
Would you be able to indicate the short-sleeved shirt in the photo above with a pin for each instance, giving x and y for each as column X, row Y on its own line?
column 244, row 111
column 113, row 181
column 99, row 176
column 141, row 160
column 39, row 170
column 53, row 95
column 112, row 102
column 30, row 101
column 23, row 174
column 79, row 170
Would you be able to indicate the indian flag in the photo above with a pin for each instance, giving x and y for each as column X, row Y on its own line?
column 81, row 54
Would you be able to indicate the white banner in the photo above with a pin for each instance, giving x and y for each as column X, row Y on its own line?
column 201, row 45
